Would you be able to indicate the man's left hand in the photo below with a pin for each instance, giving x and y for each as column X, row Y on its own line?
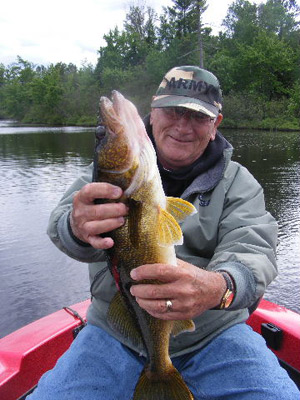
column 192, row 290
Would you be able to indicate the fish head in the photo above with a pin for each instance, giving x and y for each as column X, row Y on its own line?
column 123, row 147
column 113, row 145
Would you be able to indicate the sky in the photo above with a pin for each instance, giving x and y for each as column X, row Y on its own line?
column 71, row 31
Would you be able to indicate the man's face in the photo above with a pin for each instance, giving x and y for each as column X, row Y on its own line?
column 181, row 140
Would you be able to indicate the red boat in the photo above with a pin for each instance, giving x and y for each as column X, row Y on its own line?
column 30, row 351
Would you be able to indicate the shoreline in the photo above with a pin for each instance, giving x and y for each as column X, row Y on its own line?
column 17, row 124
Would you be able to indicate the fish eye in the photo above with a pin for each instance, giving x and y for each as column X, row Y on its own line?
column 100, row 133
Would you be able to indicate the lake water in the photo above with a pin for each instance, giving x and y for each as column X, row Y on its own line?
column 38, row 164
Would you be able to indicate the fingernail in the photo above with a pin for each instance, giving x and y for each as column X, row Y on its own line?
column 133, row 274
column 108, row 243
column 117, row 192
column 121, row 220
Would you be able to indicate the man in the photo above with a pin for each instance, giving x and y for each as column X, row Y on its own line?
column 224, row 265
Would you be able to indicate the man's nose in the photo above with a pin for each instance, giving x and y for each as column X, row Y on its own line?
column 184, row 123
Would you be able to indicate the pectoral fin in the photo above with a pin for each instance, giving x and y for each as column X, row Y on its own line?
column 179, row 208
column 121, row 320
column 169, row 232
column 182, row 326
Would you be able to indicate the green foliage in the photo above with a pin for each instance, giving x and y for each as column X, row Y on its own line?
column 266, row 66
column 294, row 101
column 241, row 21
column 279, row 17
column 256, row 58
column 54, row 95
column 184, row 16
column 246, row 110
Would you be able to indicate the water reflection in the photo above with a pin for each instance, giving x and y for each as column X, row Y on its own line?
column 38, row 165
column 12, row 127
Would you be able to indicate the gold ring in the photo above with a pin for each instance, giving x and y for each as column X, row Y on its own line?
column 169, row 305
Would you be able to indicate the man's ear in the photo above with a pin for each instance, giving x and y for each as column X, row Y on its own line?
column 218, row 120
column 216, row 124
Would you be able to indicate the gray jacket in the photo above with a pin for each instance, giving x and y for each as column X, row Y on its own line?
column 232, row 231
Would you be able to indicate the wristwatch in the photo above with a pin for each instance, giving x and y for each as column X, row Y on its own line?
column 228, row 296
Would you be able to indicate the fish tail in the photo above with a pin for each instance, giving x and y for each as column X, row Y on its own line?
column 170, row 386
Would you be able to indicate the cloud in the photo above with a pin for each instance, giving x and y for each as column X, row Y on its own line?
column 71, row 30
column 60, row 30
column 28, row 43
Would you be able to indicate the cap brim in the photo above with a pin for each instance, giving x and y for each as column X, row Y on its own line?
column 187, row 102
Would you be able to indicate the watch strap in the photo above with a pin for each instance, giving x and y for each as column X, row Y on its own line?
column 228, row 296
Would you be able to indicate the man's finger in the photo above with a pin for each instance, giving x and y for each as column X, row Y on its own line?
column 106, row 211
column 98, row 190
column 94, row 228
column 100, row 243
column 151, row 291
column 161, row 272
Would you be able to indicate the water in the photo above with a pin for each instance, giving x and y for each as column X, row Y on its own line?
column 274, row 159
column 37, row 166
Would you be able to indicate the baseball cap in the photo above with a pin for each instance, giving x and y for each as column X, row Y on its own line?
column 190, row 87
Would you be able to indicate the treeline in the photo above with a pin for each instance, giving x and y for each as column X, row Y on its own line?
column 256, row 58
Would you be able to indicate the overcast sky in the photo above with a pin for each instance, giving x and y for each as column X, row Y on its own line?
column 72, row 30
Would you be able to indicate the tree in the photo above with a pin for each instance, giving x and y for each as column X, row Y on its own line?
column 266, row 66
column 241, row 21
column 263, row 58
column 128, row 48
column 257, row 60
column 181, row 26
column 279, row 17
column 18, row 77
column 2, row 82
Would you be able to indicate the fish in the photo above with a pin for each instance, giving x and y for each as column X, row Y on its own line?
column 125, row 157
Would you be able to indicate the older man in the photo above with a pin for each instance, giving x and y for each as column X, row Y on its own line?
column 224, row 265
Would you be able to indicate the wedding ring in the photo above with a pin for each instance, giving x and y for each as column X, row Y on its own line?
column 169, row 305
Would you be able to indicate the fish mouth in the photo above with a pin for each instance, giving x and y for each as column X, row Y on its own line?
column 117, row 99
column 110, row 110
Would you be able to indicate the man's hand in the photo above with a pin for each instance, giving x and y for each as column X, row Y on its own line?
column 89, row 220
column 191, row 290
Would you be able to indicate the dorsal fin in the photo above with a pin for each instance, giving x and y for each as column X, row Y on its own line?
column 179, row 208
column 169, row 232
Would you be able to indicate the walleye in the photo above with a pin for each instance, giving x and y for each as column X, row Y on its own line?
column 125, row 157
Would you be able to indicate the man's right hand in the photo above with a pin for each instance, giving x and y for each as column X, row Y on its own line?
column 89, row 220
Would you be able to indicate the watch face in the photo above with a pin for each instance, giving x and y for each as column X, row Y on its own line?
column 229, row 299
